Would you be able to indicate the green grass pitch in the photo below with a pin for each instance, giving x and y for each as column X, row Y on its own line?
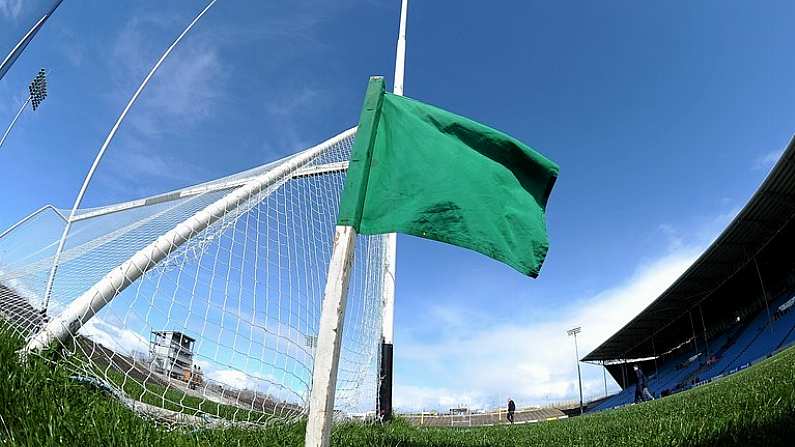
column 41, row 406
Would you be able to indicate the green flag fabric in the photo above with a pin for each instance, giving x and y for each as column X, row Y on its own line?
column 420, row 170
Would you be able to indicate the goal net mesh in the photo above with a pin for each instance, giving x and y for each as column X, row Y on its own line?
column 223, row 328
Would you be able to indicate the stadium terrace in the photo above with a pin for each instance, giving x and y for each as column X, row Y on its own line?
column 731, row 308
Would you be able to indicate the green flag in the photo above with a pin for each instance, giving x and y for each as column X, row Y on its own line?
column 420, row 170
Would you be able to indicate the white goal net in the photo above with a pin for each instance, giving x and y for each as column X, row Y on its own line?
column 221, row 323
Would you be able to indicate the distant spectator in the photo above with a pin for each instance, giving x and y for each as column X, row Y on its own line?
column 511, row 409
column 642, row 386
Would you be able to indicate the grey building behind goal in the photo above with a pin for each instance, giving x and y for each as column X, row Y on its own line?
column 171, row 353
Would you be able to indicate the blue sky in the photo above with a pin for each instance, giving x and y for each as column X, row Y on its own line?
column 664, row 118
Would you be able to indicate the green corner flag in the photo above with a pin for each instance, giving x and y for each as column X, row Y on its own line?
column 420, row 170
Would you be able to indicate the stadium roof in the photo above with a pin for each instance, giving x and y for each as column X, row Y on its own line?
column 743, row 268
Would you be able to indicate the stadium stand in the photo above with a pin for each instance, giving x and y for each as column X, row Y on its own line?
column 733, row 307
column 756, row 340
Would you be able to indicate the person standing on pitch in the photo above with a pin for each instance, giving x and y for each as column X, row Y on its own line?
column 642, row 393
column 511, row 409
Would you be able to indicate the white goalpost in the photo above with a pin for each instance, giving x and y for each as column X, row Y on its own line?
column 79, row 311
column 386, row 356
column 219, row 303
column 205, row 301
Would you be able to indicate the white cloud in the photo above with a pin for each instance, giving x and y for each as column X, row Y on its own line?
column 234, row 378
column 533, row 364
column 10, row 8
column 22, row 288
column 409, row 397
column 117, row 338
column 127, row 341
column 479, row 361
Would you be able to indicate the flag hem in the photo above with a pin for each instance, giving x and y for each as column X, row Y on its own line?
column 530, row 271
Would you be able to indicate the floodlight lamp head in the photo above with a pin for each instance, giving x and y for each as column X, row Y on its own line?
column 38, row 89
column 574, row 331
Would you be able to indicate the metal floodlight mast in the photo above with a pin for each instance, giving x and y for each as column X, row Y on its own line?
column 37, row 92
column 573, row 332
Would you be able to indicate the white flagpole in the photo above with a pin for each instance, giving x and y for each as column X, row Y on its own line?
column 329, row 340
column 335, row 296
column 384, row 405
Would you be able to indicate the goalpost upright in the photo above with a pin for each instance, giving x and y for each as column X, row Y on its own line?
column 384, row 406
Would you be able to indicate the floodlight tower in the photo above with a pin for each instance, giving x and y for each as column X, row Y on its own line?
column 574, row 332
column 38, row 91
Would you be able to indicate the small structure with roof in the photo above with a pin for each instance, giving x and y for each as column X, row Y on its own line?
column 171, row 353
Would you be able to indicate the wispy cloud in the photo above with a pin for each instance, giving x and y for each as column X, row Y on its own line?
column 483, row 365
column 284, row 112
column 287, row 106
column 675, row 241
column 184, row 91
column 197, row 86
column 182, row 95
column 10, row 8
column 190, row 85
column 480, row 361
column 139, row 170
column 766, row 161
column 71, row 45
column 10, row 107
